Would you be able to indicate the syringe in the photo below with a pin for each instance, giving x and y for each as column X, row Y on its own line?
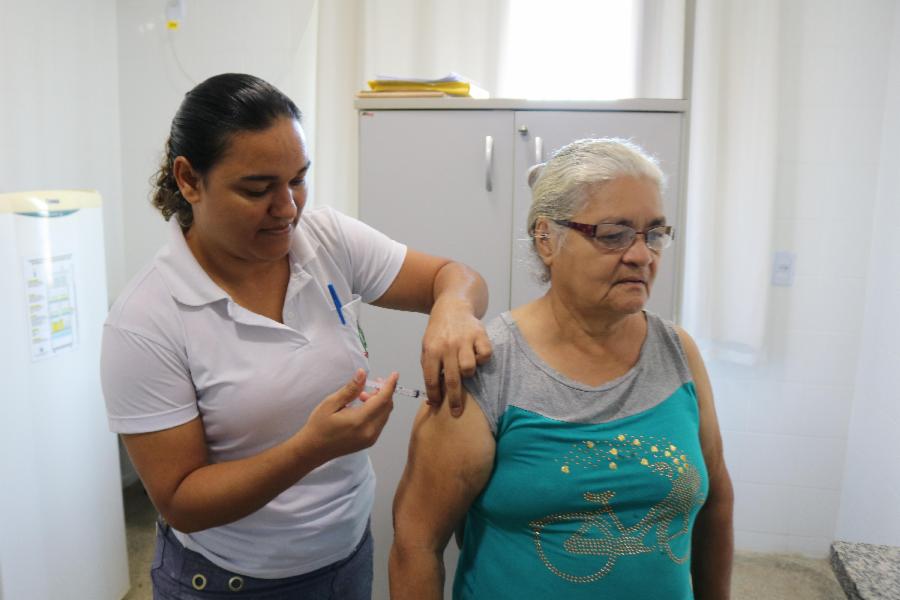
column 403, row 390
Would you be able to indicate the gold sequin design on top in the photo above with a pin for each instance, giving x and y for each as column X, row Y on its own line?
column 612, row 539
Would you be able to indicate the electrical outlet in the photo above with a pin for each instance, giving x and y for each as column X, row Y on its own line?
column 783, row 269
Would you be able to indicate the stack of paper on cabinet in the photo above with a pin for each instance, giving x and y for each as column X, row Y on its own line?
column 384, row 86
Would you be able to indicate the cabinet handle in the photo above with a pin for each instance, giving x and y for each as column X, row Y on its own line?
column 538, row 150
column 488, row 162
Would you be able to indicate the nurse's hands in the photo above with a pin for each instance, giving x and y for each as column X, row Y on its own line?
column 454, row 343
column 333, row 429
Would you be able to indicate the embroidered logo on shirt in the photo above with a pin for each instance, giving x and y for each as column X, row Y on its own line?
column 600, row 532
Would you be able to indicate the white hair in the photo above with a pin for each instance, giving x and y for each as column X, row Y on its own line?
column 561, row 187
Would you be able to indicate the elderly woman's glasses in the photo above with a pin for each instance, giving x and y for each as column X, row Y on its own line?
column 613, row 236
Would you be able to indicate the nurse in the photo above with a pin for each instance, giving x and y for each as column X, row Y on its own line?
column 233, row 365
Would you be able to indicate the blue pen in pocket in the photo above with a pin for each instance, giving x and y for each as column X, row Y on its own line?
column 340, row 312
column 337, row 303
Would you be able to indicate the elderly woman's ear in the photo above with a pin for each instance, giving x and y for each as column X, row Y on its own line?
column 544, row 243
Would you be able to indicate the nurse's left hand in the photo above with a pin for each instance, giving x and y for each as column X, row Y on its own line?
column 454, row 344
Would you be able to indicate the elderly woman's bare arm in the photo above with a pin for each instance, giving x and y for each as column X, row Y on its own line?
column 450, row 462
column 712, row 544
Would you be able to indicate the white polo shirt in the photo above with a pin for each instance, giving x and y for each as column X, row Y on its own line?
column 175, row 346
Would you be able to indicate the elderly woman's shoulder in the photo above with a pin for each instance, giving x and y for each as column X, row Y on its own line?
column 501, row 329
column 671, row 334
column 669, row 327
column 502, row 332
column 680, row 336
column 687, row 342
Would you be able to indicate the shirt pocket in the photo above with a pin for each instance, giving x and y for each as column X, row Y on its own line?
column 353, row 327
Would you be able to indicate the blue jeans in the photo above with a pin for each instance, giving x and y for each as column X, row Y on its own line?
column 177, row 573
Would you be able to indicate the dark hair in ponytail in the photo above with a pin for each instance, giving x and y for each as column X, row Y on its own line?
column 208, row 117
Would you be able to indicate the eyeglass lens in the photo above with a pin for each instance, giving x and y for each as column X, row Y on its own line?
column 617, row 237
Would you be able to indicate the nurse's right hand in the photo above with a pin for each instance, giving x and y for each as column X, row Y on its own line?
column 335, row 429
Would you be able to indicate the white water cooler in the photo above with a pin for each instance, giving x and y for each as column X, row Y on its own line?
column 62, row 528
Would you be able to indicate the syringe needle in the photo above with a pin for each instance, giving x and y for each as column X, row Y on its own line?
column 400, row 389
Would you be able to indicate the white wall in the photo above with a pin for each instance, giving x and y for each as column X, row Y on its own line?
column 870, row 502
column 59, row 106
column 273, row 39
column 785, row 424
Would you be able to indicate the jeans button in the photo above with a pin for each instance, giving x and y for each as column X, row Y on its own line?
column 198, row 581
column 236, row 584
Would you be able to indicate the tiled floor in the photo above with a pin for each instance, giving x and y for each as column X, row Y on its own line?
column 140, row 517
column 783, row 577
column 756, row 576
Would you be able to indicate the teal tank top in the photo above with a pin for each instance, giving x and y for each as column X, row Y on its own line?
column 594, row 490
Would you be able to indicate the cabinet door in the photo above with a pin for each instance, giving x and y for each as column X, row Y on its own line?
column 423, row 181
column 540, row 133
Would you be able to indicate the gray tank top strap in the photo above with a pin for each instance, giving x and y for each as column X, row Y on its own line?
column 516, row 376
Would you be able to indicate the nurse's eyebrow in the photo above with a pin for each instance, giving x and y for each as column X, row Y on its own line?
column 300, row 173
column 259, row 178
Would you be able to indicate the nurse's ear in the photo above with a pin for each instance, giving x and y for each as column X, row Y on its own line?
column 188, row 180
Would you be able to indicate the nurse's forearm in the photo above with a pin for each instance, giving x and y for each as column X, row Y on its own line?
column 221, row 493
column 458, row 284
column 455, row 341
column 193, row 494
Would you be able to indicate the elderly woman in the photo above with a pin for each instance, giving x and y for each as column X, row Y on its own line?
column 590, row 464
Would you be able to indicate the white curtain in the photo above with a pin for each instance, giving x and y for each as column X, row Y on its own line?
column 731, row 177
column 660, row 38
